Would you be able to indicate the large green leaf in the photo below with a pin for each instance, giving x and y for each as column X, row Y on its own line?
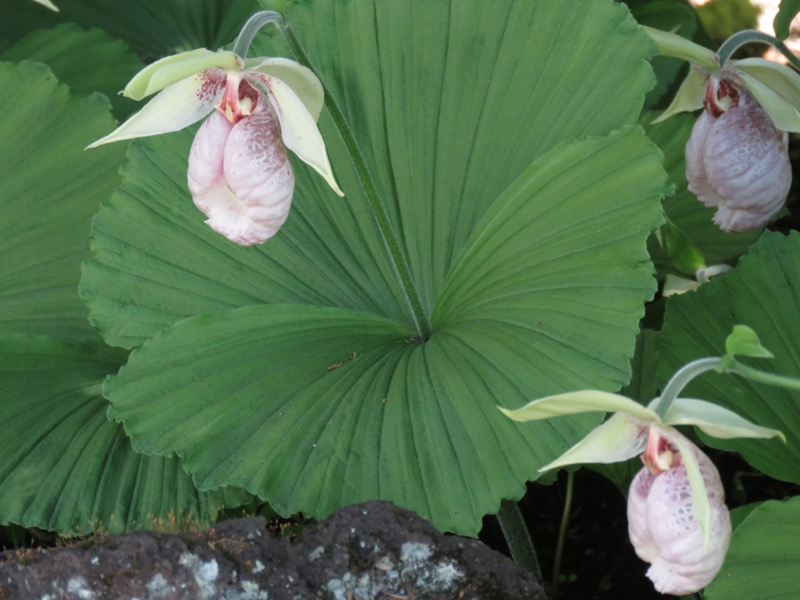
column 763, row 557
column 63, row 465
column 153, row 28
column 305, row 376
column 313, row 408
column 50, row 191
column 676, row 16
column 446, row 103
column 87, row 61
column 762, row 292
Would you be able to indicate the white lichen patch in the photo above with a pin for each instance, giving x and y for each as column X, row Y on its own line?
column 413, row 553
column 77, row 587
column 427, row 576
column 316, row 553
column 251, row 591
column 95, row 561
column 158, row 587
column 205, row 574
column 446, row 574
column 259, row 567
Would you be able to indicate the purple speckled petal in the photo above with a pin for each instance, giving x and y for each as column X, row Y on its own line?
column 665, row 533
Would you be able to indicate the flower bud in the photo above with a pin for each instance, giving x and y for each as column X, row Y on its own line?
column 737, row 160
column 240, row 175
column 665, row 533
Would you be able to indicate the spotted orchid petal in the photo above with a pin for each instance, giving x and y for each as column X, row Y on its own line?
column 240, row 176
column 739, row 164
column 678, row 521
column 172, row 69
column 298, row 127
column 716, row 421
column 300, row 79
column 178, row 106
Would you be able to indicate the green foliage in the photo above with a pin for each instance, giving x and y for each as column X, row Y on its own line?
column 723, row 18
column 503, row 147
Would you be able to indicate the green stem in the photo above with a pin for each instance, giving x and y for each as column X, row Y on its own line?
column 252, row 27
column 518, row 538
column 681, row 379
column 562, row 535
column 420, row 317
column 762, row 377
column 740, row 38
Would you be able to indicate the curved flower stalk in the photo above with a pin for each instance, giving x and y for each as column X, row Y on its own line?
column 737, row 158
column 677, row 518
column 239, row 171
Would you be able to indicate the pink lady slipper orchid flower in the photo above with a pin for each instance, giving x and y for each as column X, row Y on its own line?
column 737, row 158
column 239, row 175
column 677, row 518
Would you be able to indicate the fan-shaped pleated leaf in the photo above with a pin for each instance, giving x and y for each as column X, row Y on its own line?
column 436, row 107
column 762, row 292
column 152, row 28
column 87, row 61
column 63, row 465
column 762, row 561
column 313, row 408
column 50, row 190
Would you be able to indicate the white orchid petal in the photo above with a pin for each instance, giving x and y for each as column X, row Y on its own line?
column 620, row 438
column 775, row 86
column 298, row 128
column 300, row 79
column 580, row 402
column 171, row 69
column 689, row 96
column 716, row 420
column 174, row 108
column 207, row 155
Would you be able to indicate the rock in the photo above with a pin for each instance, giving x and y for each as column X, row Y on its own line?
column 364, row 551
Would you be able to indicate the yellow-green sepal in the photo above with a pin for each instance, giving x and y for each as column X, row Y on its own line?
column 171, row 69
column 620, row 438
column 690, row 95
column 581, row 401
column 48, row 4
column 676, row 46
column 302, row 80
column 716, row 421
column 775, row 86
column 701, row 506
